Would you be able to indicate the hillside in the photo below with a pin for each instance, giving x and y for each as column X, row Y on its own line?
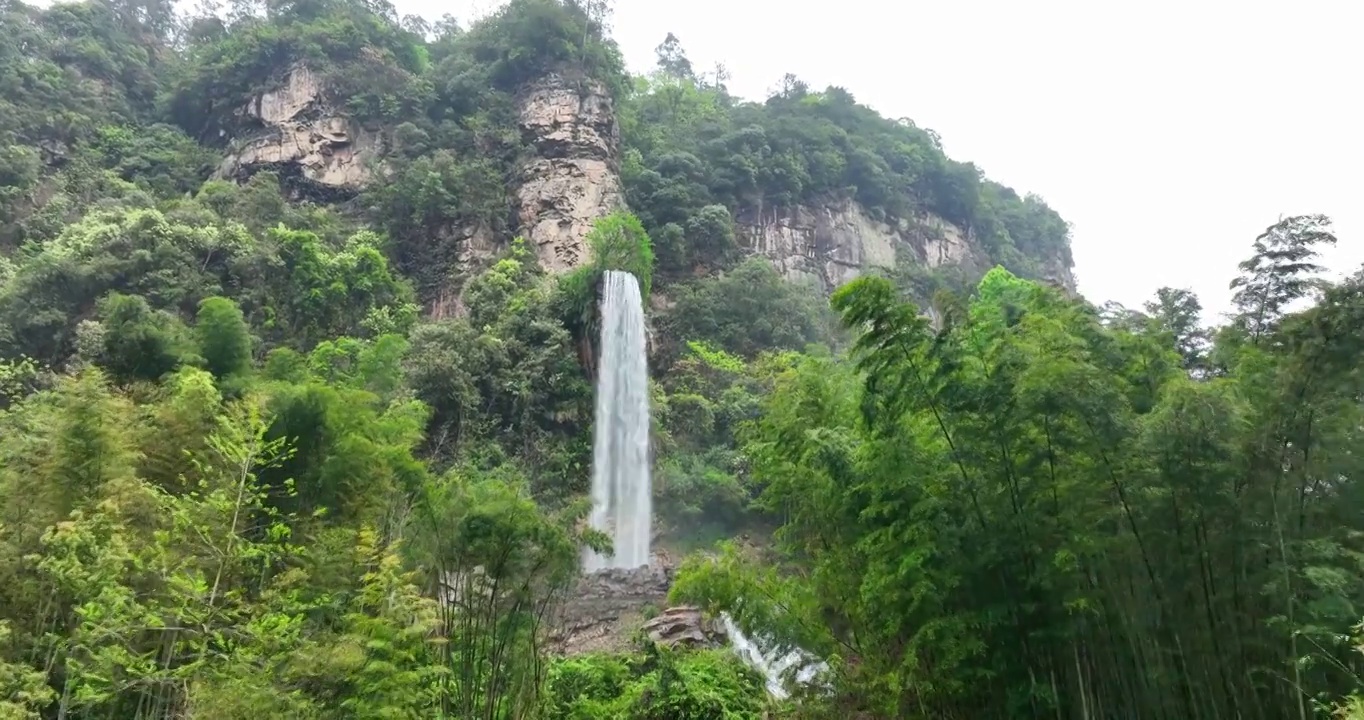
column 298, row 339
column 537, row 143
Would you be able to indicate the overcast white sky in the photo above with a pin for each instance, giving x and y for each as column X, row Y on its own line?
column 1168, row 133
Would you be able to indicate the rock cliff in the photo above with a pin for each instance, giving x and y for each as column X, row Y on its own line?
column 1059, row 272
column 832, row 243
column 297, row 129
column 574, row 178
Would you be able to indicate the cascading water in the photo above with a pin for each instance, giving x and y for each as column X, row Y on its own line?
column 621, row 486
column 772, row 667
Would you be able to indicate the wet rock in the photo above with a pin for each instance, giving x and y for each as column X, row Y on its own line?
column 606, row 609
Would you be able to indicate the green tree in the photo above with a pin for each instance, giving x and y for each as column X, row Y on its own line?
column 224, row 338
column 1176, row 313
column 139, row 344
column 1279, row 271
column 618, row 242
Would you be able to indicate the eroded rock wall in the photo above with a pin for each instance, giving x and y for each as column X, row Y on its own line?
column 296, row 129
column 832, row 243
column 574, row 178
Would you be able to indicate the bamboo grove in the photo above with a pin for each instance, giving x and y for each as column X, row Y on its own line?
column 1040, row 509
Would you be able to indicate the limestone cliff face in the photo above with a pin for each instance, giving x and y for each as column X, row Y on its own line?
column 475, row 246
column 574, row 178
column 833, row 243
column 296, row 129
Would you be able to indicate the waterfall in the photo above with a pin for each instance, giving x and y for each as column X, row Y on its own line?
column 772, row 668
column 621, row 488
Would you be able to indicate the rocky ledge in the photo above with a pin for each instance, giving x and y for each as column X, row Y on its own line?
column 610, row 610
column 685, row 626
column 606, row 609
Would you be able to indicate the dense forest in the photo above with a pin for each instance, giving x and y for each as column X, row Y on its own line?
column 244, row 473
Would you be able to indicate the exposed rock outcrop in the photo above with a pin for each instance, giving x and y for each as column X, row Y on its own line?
column 607, row 608
column 575, row 178
column 1058, row 272
column 686, row 626
column 474, row 246
column 833, row 243
column 296, row 130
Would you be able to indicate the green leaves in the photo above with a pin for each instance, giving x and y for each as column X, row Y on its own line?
column 664, row 685
column 1280, row 271
column 618, row 242
column 224, row 338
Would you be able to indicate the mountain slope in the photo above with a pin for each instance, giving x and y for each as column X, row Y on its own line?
column 451, row 141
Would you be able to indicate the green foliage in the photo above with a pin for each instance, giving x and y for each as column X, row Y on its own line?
column 325, row 293
column 225, row 559
column 575, row 301
column 372, row 62
column 138, row 344
column 747, row 310
column 505, row 381
column 135, row 252
column 618, row 242
column 157, row 158
column 664, row 685
column 428, row 201
column 1279, row 272
column 23, row 688
column 69, row 70
column 295, row 287
column 224, row 338
column 18, row 378
column 700, row 482
column 970, row 509
column 528, row 39
column 1023, row 507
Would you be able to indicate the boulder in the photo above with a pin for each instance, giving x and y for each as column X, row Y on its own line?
column 684, row 626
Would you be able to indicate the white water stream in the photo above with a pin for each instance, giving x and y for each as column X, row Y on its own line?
column 621, row 486
column 772, row 667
